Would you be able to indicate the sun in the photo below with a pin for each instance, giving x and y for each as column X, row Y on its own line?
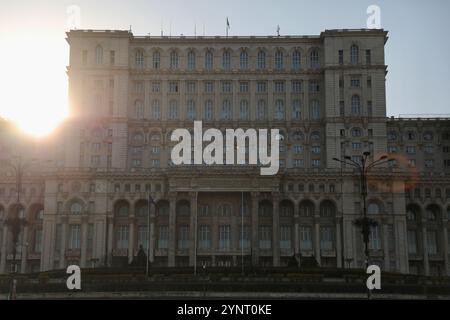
column 34, row 83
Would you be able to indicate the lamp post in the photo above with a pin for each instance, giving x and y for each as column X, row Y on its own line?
column 150, row 201
column 364, row 167
column 17, row 220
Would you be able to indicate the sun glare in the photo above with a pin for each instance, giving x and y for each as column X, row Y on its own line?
column 33, row 74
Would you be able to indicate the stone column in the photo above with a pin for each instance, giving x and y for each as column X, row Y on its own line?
column 296, row 230
column 338, row 243
column 426, row 265
column 172, row 229
column 193, row 229
column 24, row 253
column 3, row 252
column 110, row 226
column 255, row 226
column 131, row 239
column 152, row 235
column 62, row 256
column 317, row 234
column 84, row 231
column 276, row 230
column 445, row 247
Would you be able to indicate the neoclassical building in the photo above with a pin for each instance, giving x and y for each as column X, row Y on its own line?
column 85, row 197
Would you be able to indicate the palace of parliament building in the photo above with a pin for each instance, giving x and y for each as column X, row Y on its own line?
column 84, row 191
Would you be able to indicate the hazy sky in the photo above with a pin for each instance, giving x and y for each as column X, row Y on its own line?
column 34, row 51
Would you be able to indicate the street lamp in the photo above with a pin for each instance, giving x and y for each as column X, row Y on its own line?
column 17, row 220
column 150, row 201
column 364, row 167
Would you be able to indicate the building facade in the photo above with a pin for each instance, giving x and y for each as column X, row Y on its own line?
column 86, row 199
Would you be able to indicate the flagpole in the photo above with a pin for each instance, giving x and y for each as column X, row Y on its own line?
column 242, row 232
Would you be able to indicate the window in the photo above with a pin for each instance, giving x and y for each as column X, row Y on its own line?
column 75, row 236
column 374, row 238
column 373, row 208
column 355, row 83
column 183, row 237
column 209, row 87
column 191, row 60
column 285, row 237
column 243, row 86
column 299, row 163
column 163, row 237
column 316, row 163
column 315, row 110
column 173, row 60
column 209, row 60
column 122, row 236
column 139, row 109
column 224, row 211
column 226, row 110
column 315, row 149
column 296, row 86
column 226, row 60
column 191, row 110
column 244, row 60
column 356, row 145
column 261, row 60
column 75, row 208
column 326, row 238
column 429, row 163
column 428, row 136
column 296, row 110
column 412, row 242
column 173, row 87
column 261, row 110
column 156, row 110
column 99, row 55
column 356, row 132
column 244, row 110
column 410, row 135
column 261, row 87
column 244, row 237
column 142, row 236
column 432, row 242
column 429, row 149
column 369, row 108
column 314, row 86
column 354, row 54
column 296, row 60
column 265, row 237
column 279, row 86
column 356, row 105
column 156, row 60
column 368, row 56
column 173, row 110
column 314, row 59
column 341, row 56
column 208, row 114
column 305, row 238
column 139, row 59
column 410, row 149
column 156, row 87
column 298, row 149
column 224, row 237
column 191, row 87
column 204, row 237
column 369, row 82
column 226, row 86
column 279, row 61
column 279, row 110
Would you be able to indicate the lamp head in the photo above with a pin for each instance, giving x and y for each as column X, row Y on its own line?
column 367, row 153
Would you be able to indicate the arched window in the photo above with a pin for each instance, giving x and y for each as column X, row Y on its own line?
column 208, row 112
column 261, row 113
column 298, row 136
column 156, row 60
column 315, row 110
column 373, row 208
column 327, row 210
column 139, row 109
column 279, row 110
column 306, row 209
column 244, row 111
column 279, row 60
column 226, row 60
column 138, row 138
column 173, row 60
column 296, row 60
column 191, row 60
column 356, row 105
column 411, row 215
column 139, row 59
column 314, row 59
column 209, row 60
column 98, row 55
column 428, row 136
column 141, row 209
column 226, row 110
column 354, row 54
column 123, row 210
column 244, row 60
column 296, row 110
column 191, row 112
column 432, row 213
column 173, row 110
column 75, row 208
column 261, row 60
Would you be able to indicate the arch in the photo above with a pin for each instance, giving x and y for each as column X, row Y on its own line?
column 286, row 208
column 298, row 135
column 191, row 58
column 183, row 208
column 261, row 59
column 75, row 207
column 122, row 208
column 265, row 208
column 413, row 213
column 315, row 135
column 327, row 209
column 163, row 207
column 243, row 59
column 374, row 207
column 296, row 59
column 307, row 208
column 141, row 208
column 433, row 212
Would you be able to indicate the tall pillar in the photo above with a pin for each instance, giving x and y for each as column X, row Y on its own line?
column 338, row 243
column 445, row 246
column 172, row 229
column 110, row 239
column 62, row 257
column 296, row 233
column 24, row 253
column 152, row 236
column 317, row 235
column 193, row 229
column 426, row 265
column 131, row 239
column 84, row 232
column 255, row 226
column 276, row 230
column 3, row 252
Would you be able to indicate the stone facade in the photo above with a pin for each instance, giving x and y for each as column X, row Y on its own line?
column 325, row 93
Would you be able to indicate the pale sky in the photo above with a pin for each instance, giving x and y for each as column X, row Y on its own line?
column 34, row 52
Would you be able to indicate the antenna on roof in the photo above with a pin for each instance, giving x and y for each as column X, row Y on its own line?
column 130, row 28
column 162, row 32
column 203, row 29
column 278, row 30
